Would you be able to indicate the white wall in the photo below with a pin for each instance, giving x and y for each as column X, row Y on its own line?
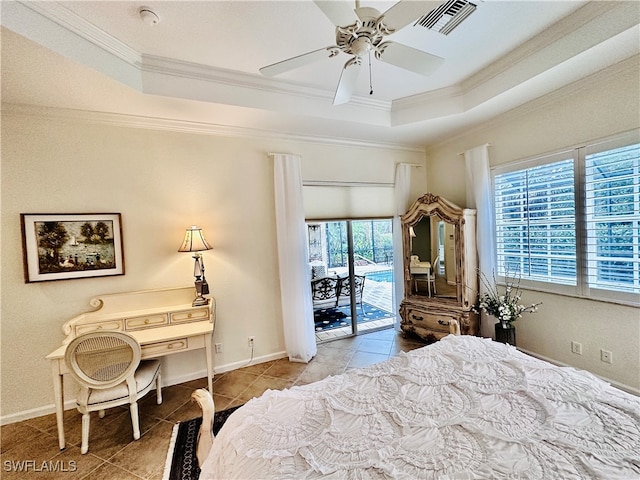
column 161, row 182
column 602, row 105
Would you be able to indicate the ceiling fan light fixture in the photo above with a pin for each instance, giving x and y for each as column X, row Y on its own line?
column 148, row 16
column 361, row 46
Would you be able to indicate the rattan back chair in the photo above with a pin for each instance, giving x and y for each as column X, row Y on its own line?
column 108, row 368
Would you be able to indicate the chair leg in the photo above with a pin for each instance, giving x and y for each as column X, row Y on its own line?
column 134, row 420
column 159, row 389
column 84, row 448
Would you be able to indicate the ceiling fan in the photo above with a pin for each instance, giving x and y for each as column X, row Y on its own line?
column 364, row 37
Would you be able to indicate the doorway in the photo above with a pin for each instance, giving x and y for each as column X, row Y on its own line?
column 351, row 266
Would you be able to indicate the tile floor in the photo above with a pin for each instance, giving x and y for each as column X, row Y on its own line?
column 33, row 444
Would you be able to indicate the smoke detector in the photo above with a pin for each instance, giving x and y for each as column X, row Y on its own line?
column 148, row 16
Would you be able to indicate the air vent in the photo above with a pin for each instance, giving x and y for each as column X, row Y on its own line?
column 447, row 16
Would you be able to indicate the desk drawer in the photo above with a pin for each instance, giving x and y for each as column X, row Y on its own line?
column 165, row 348
column 149, row 321
column 92, row 327
column 197, row 314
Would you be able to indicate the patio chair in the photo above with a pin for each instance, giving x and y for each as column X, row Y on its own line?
column 108, row 368
column 344, row 291
column 324, row 292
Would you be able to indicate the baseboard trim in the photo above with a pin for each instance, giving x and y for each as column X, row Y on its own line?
column 166, row 382
column 618, row 385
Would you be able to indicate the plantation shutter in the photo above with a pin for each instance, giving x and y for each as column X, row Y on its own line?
column 535, row 221
column 612, row 207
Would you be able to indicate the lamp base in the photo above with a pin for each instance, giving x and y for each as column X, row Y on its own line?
column 202, row 288
column 200, row 301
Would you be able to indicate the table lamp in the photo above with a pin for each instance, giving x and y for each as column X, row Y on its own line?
column 194, row 241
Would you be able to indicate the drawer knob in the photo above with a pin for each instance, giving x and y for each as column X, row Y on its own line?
column 442, row 322
column 170, row 346
column 416, row 317
column 99, row 327
column 146, row 321
column 190, row 315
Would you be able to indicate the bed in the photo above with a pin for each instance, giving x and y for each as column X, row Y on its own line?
column 462, row 408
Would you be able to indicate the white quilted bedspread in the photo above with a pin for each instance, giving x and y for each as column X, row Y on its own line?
column 462, row 408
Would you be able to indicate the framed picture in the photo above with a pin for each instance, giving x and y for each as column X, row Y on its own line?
column 65, row 246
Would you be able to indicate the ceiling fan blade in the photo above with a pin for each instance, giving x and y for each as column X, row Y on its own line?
column 340, row 13
column 347, row 83
column 299, row 61
column 367, row 13
column 408, row 58
column 407, row 11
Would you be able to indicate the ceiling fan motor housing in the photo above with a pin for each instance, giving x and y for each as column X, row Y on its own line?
column 363, row 36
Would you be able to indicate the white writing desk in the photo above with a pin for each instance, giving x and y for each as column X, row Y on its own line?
column 162, row 321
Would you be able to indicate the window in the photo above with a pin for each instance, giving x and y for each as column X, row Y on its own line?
column 612, row 193
column 570, row 222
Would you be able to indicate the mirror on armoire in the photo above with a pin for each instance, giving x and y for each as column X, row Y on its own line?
column 433, row 257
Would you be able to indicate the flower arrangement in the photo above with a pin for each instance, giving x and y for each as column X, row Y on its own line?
column 507, row 307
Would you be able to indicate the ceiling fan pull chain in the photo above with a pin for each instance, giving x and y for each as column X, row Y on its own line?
column 370, row 78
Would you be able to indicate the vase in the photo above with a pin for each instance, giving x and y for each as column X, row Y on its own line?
column 505, row 324
column 505, row 334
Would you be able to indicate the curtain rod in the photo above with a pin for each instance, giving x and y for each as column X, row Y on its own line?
column 335, row 183
column 485, row 145
column 410, row 164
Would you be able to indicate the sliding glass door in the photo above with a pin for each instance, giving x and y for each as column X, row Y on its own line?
column 351, row 265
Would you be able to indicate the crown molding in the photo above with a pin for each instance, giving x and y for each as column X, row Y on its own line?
column 173, row 67
column 57, row 28
column 185, row 126
column 628, row 65
column 594, row 24
column 543, row 40
column 70, row 21
column 430, row 105
column 566, row 40
column 215, row 85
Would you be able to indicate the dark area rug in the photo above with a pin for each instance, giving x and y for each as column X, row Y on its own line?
column 330, row 318
column 184, row 463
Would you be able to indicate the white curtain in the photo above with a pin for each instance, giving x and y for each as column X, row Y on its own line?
column 479, row 196
column 293, row 259
column 402, row 187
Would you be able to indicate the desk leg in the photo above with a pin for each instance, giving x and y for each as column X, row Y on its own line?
column 209, row 353
column 58, row 392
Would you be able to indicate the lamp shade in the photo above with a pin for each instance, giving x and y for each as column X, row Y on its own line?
column 194, row 241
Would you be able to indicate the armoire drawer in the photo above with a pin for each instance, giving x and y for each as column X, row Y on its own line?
column 428, row 321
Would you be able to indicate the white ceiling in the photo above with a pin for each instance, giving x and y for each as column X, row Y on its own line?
column 505, row 54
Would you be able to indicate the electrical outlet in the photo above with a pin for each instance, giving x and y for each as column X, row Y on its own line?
column 252, row 341
column 218, row 348
column 576, row 348
column 606, row 356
